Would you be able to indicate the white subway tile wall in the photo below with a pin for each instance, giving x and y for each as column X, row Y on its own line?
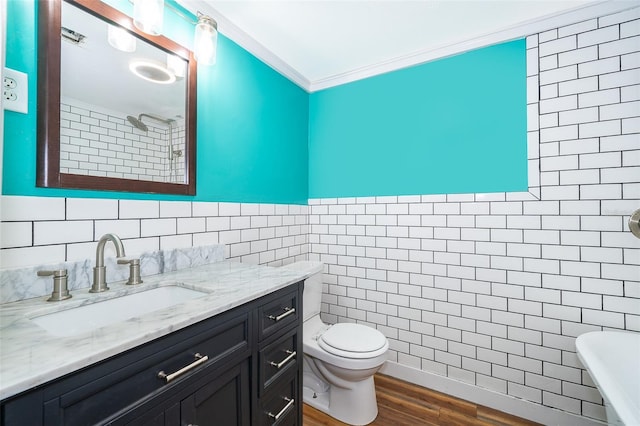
column 492, row 289
column 103, row 143
column 41, row 230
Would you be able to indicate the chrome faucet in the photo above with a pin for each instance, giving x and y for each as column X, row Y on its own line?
column 99, row 271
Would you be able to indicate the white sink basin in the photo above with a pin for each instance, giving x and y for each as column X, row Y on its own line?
column 612, row 358
column 90, row 317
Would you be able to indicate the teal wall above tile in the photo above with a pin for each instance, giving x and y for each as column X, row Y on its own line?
column 449, row 126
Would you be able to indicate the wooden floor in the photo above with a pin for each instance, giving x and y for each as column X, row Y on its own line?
column 404, row 404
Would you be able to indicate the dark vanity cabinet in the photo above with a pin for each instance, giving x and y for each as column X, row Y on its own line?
column 241, row 367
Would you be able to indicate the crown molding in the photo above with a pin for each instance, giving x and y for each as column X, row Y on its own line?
column 248, row 43
column 514, row 32
column 548, row 22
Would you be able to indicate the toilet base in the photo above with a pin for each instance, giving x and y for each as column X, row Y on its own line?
column 338, row 402
column 319, row 401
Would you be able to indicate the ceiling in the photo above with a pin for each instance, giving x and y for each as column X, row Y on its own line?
column 322, row 43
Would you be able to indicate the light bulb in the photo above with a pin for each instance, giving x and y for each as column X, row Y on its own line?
column 206, row 40
column 176, row 65
column 148, row 15
column 120, row 38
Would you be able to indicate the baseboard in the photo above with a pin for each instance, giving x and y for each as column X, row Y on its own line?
column 505, row 403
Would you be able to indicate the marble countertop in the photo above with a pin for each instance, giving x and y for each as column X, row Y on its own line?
column 30, row 356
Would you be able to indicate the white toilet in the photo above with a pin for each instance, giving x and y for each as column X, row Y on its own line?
column 339, row 360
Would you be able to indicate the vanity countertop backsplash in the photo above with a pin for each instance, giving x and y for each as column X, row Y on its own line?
column 30, row 355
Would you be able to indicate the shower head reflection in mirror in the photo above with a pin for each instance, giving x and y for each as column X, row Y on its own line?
column 137, row 122
column 172, row 153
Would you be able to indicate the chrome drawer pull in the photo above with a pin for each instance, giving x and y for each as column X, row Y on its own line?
column 200, row 359
column 288, row 311
column 279, row 365
column 290, row 402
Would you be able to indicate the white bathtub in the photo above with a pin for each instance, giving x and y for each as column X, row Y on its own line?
column 612, row 358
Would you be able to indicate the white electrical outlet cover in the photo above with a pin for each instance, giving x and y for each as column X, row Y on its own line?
column 20, row 93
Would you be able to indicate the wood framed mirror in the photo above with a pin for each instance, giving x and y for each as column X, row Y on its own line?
column 112, row 117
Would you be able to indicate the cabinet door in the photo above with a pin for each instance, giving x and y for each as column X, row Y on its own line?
column 153, row 417
column 225, row 401
column 156, row 420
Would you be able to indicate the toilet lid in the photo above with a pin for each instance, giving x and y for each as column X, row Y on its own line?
column 346, row 338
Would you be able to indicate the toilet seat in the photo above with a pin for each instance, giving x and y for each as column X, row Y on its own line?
column 353, row 341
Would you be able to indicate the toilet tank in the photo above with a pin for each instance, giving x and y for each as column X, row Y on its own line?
column 312, row 296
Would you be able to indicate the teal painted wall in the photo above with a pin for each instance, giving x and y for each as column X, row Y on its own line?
column 450, row 126
column 455, row 125
column 252, row 123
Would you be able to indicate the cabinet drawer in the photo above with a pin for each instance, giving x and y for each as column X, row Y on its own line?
column 278, row 314
column 97, row 393
column 280, row 407
column 277, row 358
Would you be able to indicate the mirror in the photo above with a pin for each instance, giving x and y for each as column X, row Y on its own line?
column 116, row 108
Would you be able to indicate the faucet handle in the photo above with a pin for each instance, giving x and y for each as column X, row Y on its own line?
column 55, row 272
column 60, row 284
column 134, row 270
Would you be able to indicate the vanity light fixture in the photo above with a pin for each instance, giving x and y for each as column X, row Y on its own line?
column 152, row 71
column 206, row 40
column 121, row 39
column 148, row 15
